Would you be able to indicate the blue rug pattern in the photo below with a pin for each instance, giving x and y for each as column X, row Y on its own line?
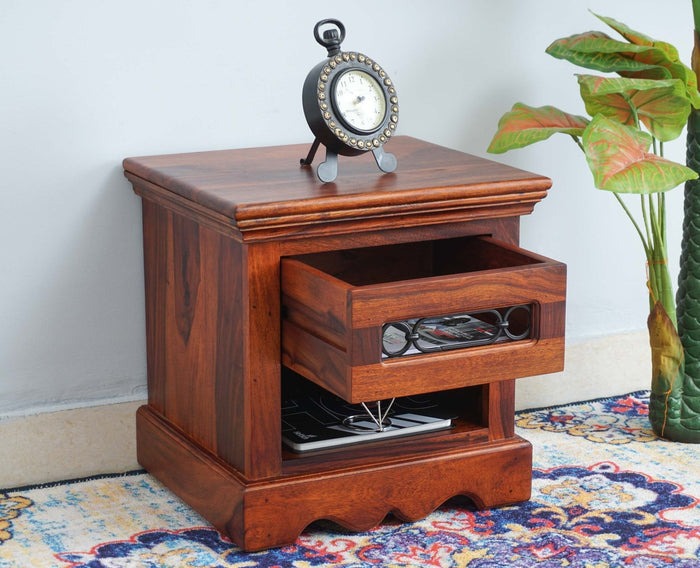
column 606, row 492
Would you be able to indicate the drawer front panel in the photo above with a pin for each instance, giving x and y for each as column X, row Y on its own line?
column 375, row 305
column 454, row 369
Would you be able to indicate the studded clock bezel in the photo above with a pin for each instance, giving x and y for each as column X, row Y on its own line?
column 343, row 132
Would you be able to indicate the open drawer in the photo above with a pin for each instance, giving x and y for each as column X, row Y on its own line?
column 338, row 305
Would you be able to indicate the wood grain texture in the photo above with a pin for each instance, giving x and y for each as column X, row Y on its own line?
column 273, row 513
column 203, row 290
column 498, row 398
column 219, row 229
column 264, row 194
column 182, row 313
column 260, row 406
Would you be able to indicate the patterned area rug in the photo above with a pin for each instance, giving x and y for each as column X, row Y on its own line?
column 606, row 492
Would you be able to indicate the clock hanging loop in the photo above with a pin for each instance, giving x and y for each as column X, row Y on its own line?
column 350, row 105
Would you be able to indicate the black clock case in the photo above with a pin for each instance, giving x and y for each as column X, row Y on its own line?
column 314, row 114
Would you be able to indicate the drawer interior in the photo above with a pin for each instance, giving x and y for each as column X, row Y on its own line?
column 411, row 261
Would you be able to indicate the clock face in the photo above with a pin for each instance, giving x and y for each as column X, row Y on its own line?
column 350, row 103
column 359, row 100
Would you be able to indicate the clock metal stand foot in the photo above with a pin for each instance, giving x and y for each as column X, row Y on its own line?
column 312, row 152
column 328, row 170
column 385, row 161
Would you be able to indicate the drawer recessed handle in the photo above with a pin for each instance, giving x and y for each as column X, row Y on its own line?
column 445, row 333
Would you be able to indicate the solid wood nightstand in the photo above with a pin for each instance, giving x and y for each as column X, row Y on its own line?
column 258, row 275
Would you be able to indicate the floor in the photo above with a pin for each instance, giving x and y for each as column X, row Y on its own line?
column 89, row 441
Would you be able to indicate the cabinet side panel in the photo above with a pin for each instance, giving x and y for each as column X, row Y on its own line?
column 229, row 356
column 190, row 320
column 192, row 329
column 213, row 325
column 155, row 255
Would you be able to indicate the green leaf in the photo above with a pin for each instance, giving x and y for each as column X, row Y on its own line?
column 641, row 58
column 639, row 38
column 525, row 125
column 673, row 64
column 690, row 80
column 619, row 160
column 662, row 106
column 656, row 73
column 670, row 71
column 596, row 50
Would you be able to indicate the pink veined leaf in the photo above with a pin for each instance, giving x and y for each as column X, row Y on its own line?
column 524, row 125
column 618, row 157
column 638, row 38
column 662, row 106
column 641, row 58
column 673, row 65
column 597, row 50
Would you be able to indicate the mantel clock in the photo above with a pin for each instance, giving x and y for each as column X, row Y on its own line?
column 350, row 104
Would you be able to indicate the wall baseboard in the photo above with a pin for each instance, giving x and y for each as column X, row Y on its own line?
column 102, row 439
column 594, row 368
column 68, row 444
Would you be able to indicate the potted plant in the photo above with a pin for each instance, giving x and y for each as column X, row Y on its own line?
column 631, row 114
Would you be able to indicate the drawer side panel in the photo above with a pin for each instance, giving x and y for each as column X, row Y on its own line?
column 315, row 301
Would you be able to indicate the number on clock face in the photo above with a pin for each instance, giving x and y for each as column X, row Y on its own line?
column 359, row 100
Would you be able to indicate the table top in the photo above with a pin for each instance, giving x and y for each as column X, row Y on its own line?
column 255, row 187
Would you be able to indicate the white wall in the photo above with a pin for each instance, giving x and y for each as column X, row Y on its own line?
column 84, row 84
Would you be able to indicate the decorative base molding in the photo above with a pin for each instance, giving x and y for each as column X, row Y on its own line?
column 102, row 439
column 248, row 512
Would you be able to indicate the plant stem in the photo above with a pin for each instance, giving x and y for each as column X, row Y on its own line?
column 653, row 239
column 647, row 225
column 578, row 142
column 662, row 209
column 659, row 276
column 662, row 201
column 647, row 251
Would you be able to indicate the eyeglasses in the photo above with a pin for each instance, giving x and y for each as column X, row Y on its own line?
column 443, row 333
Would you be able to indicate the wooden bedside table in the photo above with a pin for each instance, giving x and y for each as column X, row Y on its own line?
column 258, row 275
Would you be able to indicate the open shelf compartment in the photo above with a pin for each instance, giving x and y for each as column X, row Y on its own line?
column 467, row 408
